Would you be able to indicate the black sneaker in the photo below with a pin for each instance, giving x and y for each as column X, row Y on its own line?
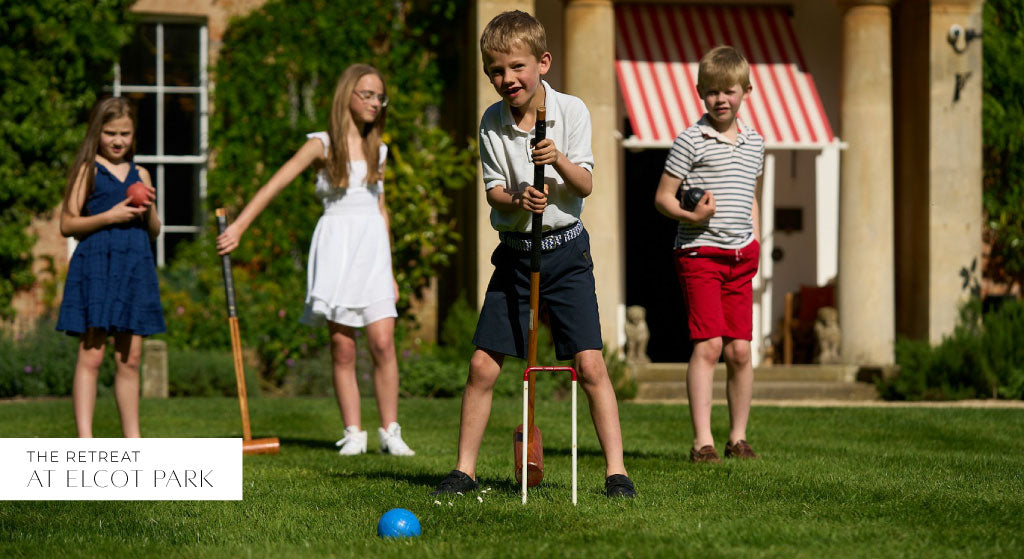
column 618, row 485
column 455, row 482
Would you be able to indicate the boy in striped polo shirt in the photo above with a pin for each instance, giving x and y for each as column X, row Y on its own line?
column 716, row 247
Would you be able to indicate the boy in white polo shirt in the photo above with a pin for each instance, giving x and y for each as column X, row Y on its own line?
column 717, row 247
column 515, row 57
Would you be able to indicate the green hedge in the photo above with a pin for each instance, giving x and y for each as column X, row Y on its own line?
column 42, row 363
column 983, row 358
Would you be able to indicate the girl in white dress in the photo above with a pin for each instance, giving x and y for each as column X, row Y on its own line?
column 349, row 283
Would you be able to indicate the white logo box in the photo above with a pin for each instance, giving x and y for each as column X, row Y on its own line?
column 69, row 469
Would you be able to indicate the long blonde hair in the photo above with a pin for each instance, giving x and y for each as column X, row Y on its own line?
column 341, row 117
column 104, row 111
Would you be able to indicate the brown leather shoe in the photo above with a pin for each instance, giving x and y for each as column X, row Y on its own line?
column 706, row 454
column 739, row 449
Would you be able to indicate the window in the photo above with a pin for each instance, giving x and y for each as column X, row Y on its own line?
column 163, row 71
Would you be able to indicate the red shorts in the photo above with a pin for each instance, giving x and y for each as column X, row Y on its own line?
column 717, row 285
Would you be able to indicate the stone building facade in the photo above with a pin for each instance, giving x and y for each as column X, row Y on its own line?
column 899, row 234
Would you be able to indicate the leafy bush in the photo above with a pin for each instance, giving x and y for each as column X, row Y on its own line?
column 42, row 363
column 1002, row 121
column 205, row 373
column 983, row 358
column 54, row 59
column 295, row 51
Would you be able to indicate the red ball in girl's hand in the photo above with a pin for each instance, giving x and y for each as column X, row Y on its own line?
column 137, row 193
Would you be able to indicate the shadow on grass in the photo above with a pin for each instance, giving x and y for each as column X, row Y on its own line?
column 314, row 444
column 548, row 451
column 504, row 486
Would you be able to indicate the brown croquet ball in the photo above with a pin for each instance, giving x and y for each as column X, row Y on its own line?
column 137, row 193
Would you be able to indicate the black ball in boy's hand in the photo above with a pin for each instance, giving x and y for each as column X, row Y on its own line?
column 691, row 197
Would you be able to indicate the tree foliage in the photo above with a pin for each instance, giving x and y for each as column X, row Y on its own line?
column 1003, row 122
column 55, row 56
column 275, row 81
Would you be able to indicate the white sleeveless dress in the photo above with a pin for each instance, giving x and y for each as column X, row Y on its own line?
column 349, row 278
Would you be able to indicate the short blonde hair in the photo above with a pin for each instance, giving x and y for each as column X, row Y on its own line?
column 511, row 29
column 723, row 67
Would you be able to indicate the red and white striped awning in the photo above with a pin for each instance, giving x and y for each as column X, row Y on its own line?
column 659, row 46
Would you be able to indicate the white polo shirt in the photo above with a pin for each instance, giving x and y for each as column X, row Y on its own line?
column 505, row 158
column 704, row 158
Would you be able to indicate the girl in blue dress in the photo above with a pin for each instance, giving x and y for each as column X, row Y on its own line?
column 111, row 289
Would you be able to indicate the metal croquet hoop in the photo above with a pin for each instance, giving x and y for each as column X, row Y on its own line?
column 526, row 432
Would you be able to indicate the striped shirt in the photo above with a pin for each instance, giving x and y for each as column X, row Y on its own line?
column 704, row 158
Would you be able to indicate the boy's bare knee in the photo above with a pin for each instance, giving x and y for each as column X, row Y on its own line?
column 737, row 353
column 591, row 367
column 708, row 350
column 483, row 370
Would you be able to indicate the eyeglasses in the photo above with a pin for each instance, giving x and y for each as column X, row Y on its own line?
column 366, row 95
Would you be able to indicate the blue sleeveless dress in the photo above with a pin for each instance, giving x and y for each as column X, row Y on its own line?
column 111, row 281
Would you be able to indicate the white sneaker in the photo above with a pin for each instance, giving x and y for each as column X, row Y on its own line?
column 354, row 442
column 391, row 441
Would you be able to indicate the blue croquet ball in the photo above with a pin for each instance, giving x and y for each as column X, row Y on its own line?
column 398, row 523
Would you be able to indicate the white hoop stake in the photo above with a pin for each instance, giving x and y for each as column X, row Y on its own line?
column 526, row 426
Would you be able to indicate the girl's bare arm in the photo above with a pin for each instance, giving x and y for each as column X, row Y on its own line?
column 74, row 224
column 311, row 151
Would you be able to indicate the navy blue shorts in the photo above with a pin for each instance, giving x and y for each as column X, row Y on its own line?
column 566, row 288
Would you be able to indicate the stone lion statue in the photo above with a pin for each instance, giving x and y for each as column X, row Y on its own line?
column 826, row 330
column 637, row 334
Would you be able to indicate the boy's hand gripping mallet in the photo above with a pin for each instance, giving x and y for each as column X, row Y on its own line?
column 531, row 458
column 249, row 445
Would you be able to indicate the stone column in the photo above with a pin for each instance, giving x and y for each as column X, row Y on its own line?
column 866, row 250
column 589, row 70
column 955, row 164
column 486, row 237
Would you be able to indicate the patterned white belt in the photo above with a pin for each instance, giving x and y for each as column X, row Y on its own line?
column 552, row 239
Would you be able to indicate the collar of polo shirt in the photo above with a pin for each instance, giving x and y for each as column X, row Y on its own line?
column 552, row 112
column 704, row 124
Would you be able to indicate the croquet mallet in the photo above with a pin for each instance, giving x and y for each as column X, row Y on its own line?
column 534, row 454
column 250, row 445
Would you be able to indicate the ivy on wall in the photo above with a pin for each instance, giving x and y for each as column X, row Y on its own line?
column 275, row 81
column 55, row 57
column 1003, row 141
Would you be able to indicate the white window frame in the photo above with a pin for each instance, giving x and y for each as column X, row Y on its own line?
column 159, row 159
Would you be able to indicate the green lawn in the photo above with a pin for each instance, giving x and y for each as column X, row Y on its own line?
column 866, row 482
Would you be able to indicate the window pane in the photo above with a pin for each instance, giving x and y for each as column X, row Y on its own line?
column 181, row 194
column 181, row 54
column 181, row 123
column 145, row 133
column 138, row 58
column 171, row 242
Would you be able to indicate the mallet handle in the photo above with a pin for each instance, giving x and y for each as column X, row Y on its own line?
column 536, row 228
column 236, row 338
